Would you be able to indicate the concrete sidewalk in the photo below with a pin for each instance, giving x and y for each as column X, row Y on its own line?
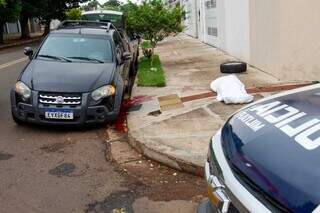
column 175, row 132
column 14, row 40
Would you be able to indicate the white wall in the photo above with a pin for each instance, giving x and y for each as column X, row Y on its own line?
column 210, row 22
column 200, row 18
column 279, row 37
column 232, row 23
column 234, row 27
column 285, row 38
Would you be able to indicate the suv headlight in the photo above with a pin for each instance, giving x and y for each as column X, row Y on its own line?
column 103, row 92
column 22, row 90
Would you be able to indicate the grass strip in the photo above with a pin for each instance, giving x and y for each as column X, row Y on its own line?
column 151, row 73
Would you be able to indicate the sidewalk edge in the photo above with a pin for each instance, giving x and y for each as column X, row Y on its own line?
column 164, row 158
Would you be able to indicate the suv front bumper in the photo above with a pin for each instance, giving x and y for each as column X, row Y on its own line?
column 34, row 112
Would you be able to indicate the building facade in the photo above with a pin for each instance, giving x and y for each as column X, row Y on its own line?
column 279, row 37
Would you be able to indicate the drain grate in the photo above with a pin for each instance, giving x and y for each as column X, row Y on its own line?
column 170, row 102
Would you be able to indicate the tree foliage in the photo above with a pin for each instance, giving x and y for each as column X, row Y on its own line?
column 91, row 5
column 73, row 14
column 44, row 10
column 129, row 8
column 9, row 11
column 29, row 9
column 153, row 20
column 2, row 2
column 55, row 9
column 112, row 5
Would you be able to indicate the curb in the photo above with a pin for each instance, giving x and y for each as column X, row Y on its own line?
column 20, row 43
column 165, row 159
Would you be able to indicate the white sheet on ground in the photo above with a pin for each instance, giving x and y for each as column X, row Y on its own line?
column 230, row 90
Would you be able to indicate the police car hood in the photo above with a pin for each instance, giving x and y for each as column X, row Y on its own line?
column 274, row 147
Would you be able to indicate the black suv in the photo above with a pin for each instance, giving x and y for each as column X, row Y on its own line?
column 78, row 76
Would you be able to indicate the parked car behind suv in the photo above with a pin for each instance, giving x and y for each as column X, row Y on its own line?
column 78, row 76
column 118, row 19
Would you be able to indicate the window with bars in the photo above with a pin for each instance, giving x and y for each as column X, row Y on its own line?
column 211, row 4
column 213, row 31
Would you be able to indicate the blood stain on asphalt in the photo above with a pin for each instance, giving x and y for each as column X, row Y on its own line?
column 63, row 169
column 120, row 122
column 5, row 156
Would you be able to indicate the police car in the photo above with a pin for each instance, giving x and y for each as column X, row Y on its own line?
column 266, row 158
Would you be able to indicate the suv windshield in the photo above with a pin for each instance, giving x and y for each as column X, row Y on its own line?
column 72, row 47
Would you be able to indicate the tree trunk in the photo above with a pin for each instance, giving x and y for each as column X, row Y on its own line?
column 152, row 56
column 25, row 31
column 47, row 27
column 1, row 32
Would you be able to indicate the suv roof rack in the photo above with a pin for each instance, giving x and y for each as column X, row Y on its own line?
column 73, row 24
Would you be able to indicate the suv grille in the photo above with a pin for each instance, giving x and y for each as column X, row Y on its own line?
column 60, row 99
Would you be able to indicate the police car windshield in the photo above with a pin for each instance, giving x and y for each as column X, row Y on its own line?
column 76, row 48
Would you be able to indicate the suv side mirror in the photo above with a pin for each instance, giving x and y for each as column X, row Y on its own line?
column 126, row 56
column 28, row 52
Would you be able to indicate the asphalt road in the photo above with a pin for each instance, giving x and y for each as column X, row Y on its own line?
column 46, row 169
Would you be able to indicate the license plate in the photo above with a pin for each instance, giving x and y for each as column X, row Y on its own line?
column 58, row 114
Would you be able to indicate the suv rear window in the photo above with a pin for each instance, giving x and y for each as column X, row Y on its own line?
column 116, row 20
column 73, row 46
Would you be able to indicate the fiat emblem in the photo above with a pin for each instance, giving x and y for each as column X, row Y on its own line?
column 59, row 100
